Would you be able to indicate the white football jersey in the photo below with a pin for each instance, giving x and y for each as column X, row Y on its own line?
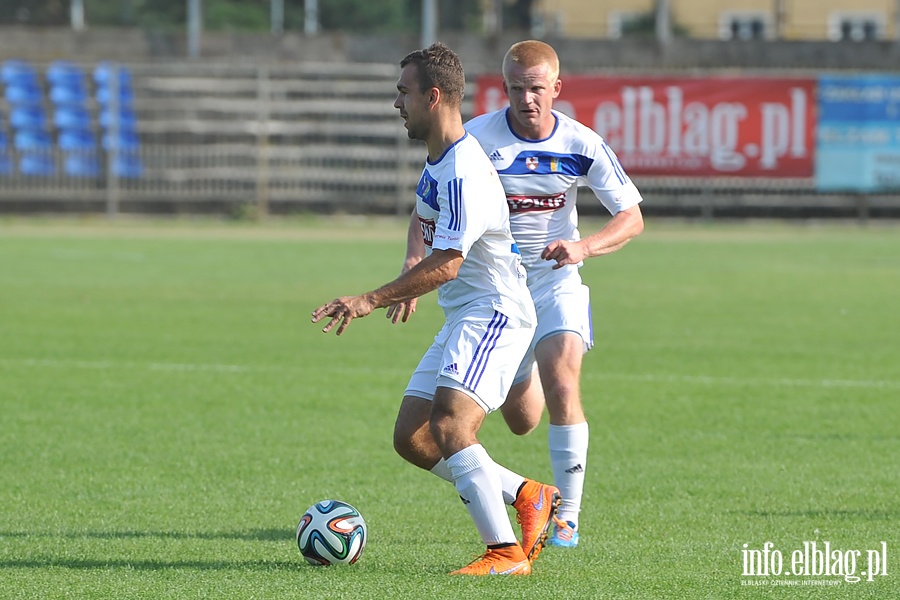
column 541, row 179
column 462, row 206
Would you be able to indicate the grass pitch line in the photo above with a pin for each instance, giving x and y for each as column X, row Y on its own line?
column 751, row 381
column 107, row 365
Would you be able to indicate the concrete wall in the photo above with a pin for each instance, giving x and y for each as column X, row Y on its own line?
column 477, row 52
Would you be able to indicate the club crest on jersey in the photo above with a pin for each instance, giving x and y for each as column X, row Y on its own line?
column 532, row 163
column 427, row 190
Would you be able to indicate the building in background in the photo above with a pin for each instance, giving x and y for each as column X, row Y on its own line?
column 836, row 20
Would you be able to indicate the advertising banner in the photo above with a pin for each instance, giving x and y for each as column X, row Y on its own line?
column 858, row 139
column 691, row 126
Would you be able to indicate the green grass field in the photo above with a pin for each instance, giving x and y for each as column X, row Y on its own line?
column 169, row 412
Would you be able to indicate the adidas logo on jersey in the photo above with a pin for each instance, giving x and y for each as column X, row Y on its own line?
column 451, row 369
column 495, row 155
column 576, row 469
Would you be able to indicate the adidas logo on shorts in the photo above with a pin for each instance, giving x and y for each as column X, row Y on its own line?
column 450, row 369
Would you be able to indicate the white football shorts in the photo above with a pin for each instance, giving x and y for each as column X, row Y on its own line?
column 477, row 353
column 564, row 307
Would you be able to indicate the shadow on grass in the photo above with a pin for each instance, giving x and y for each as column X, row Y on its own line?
column 253, row 535
column 150, row 565
column 264, row 535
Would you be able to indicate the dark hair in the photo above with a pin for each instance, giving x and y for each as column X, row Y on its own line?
column 439, row 66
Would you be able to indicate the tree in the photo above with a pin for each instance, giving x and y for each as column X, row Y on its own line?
column 34, row 12
column 363, row 16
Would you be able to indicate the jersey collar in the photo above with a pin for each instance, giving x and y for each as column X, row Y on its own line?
column 512, row 131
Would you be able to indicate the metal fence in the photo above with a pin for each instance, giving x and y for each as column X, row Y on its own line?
column 274, row 138
column 225, row 138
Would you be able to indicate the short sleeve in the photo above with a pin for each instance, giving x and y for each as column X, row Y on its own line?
column 461, row 223
column 610, row 183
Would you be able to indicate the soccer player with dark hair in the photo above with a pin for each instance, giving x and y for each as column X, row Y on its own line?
column 460, row 245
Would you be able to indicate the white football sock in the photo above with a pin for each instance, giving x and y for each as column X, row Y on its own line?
column 442, row 470
column 511, row 481
column 568, row 458
column 478, row 483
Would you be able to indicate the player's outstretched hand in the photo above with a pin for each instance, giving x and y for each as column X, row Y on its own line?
column 401, row 311
column 564, row 253
column 342, row 310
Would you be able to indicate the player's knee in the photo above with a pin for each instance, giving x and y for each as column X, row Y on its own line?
column 450, row 432
column 440, row 427
column 403, row 444
column 562, row 393
column 406, row 445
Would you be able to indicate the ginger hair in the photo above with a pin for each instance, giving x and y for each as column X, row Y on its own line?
column 532, row 53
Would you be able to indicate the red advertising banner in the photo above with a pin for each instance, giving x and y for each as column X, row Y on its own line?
column 696, row 127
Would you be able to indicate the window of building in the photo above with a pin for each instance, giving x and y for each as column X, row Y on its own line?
column 855, row 26
column 745, row 26
column 547, row 23
column 629, row 22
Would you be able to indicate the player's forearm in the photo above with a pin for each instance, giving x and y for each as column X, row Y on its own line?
column 620, row 230
column 426, row 276
column 415, row 244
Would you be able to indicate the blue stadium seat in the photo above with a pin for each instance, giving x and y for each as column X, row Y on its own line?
column 77, row 139
column 32, row 139
column 125, row 98
column 65, row 72
column 62, row 95
column 15, row 71
column 23, row 86
column 28, row 121
column 19, row 93
column 69, row 94
column 127, row 118
column 127, row 166
column 68, row 84
column 104, row 74
column 6, row 162
column 126, row 140
column 106, row 70
column 82, row 164
column 28, row 117
column 126, row 162
column 37, row 163
column 72, row 117
column 35, row 147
